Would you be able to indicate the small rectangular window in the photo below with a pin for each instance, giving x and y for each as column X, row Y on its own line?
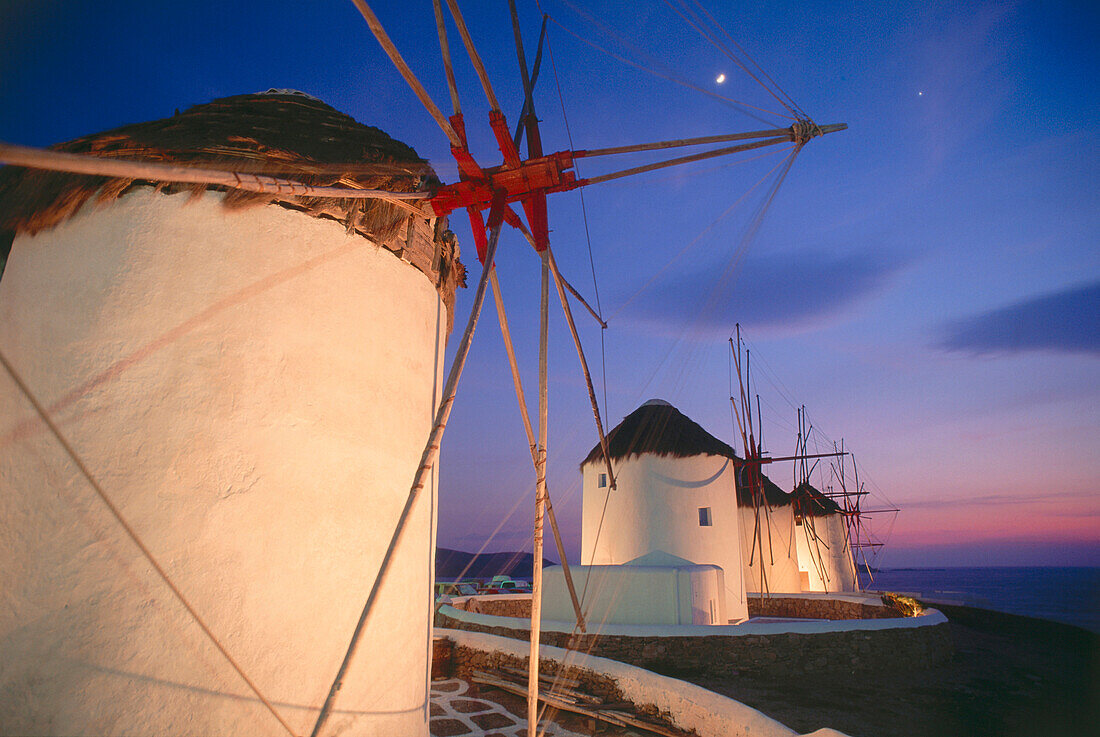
column 603, row 480
column 704, row 517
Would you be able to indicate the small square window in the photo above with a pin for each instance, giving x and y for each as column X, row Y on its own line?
column 603, row 480
column 704, row 517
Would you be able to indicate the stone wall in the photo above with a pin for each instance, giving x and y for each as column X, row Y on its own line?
column 466, row 660
column 724, row 656
column 817, row 608
column 515, row 605
column 796, row 607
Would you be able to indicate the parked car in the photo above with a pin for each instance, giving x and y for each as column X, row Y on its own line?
column 515, row 587
column 461, row 588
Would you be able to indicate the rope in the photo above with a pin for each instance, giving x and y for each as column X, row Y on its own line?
column 132, row 534
column 727, row 52
column 725, row 213
column 749, row 57
column 742, row 107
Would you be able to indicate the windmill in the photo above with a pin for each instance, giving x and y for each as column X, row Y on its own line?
column 863, row 543
column 487, row 194
column 763, row 495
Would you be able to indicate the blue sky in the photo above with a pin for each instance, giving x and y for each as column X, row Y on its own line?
column 926, row 282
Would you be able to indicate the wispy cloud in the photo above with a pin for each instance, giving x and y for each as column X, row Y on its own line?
column 1066, row 497
column 792, row 290
column 1065, row 322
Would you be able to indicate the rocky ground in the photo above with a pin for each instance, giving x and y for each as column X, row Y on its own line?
column 1009, row 676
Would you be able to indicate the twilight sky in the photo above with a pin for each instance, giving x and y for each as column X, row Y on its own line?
column 927, row 283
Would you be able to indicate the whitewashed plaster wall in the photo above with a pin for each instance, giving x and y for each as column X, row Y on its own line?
column 825, row 556
column 778, row 563
column 253, row 389
column 638, row 594
column 656, row 508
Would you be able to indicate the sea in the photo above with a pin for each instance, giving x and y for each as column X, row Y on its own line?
column 1068, row 595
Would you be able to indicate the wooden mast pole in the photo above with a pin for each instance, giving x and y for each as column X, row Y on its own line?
column 506, row 334
column 528, row 109
column 540, row 496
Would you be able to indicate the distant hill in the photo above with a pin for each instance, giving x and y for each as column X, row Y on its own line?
column 450, row 564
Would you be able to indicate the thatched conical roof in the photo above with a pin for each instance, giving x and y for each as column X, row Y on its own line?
column 808, row 500
column 659, row 428
column 773, row 495
column 279, row 133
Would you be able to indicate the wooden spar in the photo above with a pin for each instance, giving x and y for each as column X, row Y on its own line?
column 584, row 368
column 445, row 51
column 577, row 295
column 534, row 78
column 540, row 495
column 506, row 334
column 37, row 158
column 764, row 460
column 427, row 462
column 681, row 160
column 474, row 56
column 788, row 133
column 153, row 563
column 417, row 88
column 681, row 142
column 528, row 86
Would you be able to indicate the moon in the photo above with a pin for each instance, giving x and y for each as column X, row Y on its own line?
column 720, row 79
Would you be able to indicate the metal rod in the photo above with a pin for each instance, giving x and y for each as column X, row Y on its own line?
column 417, row 88
column 506, row 334
column 474, row 56
column 584, row 367
column 540, row 495
column 445, row 50
column 98, row 489
column 427, row 461
column 682, row 160
column 37, row 158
